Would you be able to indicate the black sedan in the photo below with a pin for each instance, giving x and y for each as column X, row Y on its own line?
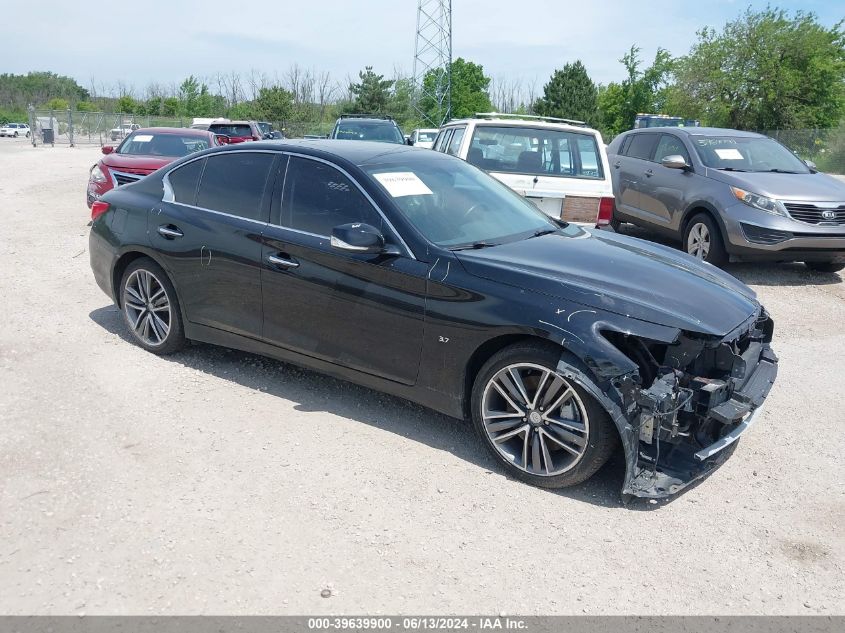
column 415, row 273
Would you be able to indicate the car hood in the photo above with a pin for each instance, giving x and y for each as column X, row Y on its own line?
column 620, row 274
column 797, row 187
column 136, row 162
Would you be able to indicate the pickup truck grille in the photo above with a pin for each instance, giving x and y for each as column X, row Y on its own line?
column 811, row 214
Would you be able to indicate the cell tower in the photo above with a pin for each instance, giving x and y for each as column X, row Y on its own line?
column 433, row 55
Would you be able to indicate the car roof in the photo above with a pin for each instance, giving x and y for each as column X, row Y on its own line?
column 185, row 131
column 230, row 123
column 367, row 120
column 524, row 123
column 356, row 152
column 703, row 131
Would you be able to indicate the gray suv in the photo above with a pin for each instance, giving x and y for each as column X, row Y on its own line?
column 729, row 195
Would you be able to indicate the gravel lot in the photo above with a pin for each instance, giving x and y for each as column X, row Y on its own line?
column 219, row 482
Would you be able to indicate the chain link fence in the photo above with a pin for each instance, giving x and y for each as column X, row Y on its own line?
column 68, row 127
column 825, row 147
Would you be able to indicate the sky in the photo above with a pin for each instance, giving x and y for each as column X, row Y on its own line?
column 165, row 41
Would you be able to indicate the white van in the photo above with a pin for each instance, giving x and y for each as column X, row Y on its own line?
column 559, row 164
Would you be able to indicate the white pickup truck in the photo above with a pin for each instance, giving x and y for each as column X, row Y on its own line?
column 119, row 133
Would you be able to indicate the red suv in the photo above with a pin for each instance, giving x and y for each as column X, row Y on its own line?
column 141, row 153
column 238, row 131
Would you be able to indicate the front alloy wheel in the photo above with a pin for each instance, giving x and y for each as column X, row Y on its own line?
column 535, row 419
column 151, row 308
column 541, row 426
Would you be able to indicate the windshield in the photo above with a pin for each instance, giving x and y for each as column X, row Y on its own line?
column 145, row 144
column 426, row 137
column 536, row 152
column 265, row 128
column 382, row 132
column 455, row 205
column 230, row 130
column 755, row 154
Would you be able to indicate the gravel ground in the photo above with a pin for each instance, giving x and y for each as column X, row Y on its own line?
column 219, row 482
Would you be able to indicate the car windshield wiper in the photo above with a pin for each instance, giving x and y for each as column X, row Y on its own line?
column 474, row 245
column 782, row 171
column 545, row 232
column 731, row 169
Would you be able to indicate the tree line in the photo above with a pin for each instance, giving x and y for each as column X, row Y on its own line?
column 764, row 70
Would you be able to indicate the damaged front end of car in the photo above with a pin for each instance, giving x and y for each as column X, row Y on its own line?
column 682, row 399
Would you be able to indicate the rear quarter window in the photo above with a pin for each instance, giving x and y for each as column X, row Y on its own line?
column 184, row 180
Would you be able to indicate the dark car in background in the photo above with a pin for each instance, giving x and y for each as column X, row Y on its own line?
column 237, row 131
column 141, row 153
column 729, row 195
column 368, row 127
column 417, row 274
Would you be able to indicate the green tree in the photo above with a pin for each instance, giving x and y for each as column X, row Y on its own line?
column 86, row 106
column 126, row 105
column 169, row 106
column 569, row 94
column 274, row 104
column 372, row 92
column 57, row 103
column 469, row 91
column 765, row 70
column 643, row 90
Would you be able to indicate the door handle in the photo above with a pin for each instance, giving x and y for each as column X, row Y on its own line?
column 283, row 262
column 617, row 164
column 169, row 231
column 649, row 173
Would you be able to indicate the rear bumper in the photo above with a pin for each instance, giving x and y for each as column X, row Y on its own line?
column 102, row 257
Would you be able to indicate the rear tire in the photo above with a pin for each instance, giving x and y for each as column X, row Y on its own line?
column 150, row 307
column 557, row 435
column 703, row 240
column 16, row 135
column 824, row 267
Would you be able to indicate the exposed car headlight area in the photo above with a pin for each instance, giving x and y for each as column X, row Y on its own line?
column 690, row 400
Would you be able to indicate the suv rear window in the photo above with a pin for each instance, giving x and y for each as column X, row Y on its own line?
column 380, row 131
column 230, row 130
column 536, row 151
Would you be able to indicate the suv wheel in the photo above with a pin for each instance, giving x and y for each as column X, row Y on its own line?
column 824, row 267
column 16, row 135
column 703, row 239
column 151, row 308
column 543, row 428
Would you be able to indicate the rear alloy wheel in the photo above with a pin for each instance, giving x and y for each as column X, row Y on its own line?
column 150, row 307
column 542, row 427
column 824, row 267
column 703, row 240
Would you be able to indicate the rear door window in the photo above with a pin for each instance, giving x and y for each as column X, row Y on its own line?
column 455, row 141
column 442, row 140
column 184, row 180
column 234, row 183
column 642, row 146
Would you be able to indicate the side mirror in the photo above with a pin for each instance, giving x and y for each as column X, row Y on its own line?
column 811, row 166
column 408, row 141
column 357, row 238
column 675, row 161
column 269, row 136
column 222, row 139
column 107, row 149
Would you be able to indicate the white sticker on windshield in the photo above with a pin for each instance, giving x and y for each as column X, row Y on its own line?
column 729, row 154
column 403, row 183
column 142, row 138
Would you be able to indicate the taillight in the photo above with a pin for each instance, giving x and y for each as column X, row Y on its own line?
column 605, row 212
column 98, row 208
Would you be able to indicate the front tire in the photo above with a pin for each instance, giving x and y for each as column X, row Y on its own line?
column 150, row 307
column 16, row 135
column 703, row 240
column 542, row 427
column 824, row 267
